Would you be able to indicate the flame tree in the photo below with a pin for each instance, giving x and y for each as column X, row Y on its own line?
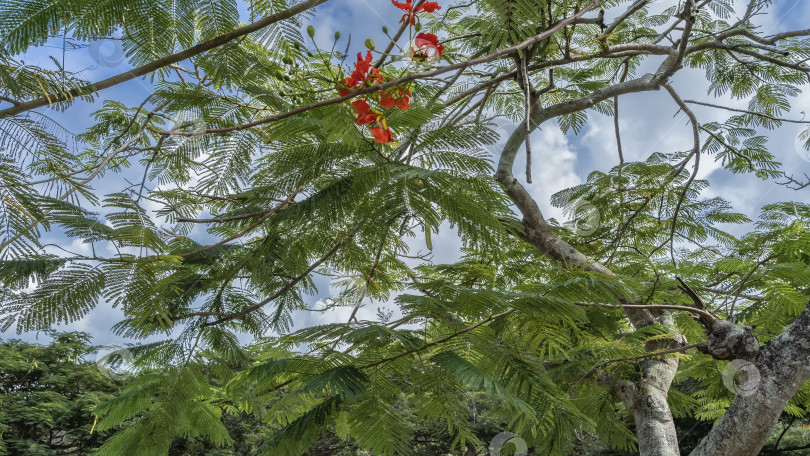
column 263, row 160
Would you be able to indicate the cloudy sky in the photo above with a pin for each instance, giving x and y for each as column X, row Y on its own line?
column 650, row 122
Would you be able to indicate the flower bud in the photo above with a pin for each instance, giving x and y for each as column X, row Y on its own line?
column 370, row 43
column 337, row 35
column 385, row 29
column 311, row 31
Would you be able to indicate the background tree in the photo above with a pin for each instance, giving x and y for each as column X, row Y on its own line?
column 50, row 391
column 263, row 160
column 48, row 395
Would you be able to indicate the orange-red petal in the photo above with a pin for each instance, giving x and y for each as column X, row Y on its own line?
column 387, row 101
column 382, row 136
column 366, row 118
column 424, row 41
column 404, row 103
column 428, row 7
column 361, row 106
column 403, row 6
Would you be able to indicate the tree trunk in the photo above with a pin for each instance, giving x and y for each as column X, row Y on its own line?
column 783, row 368
column 655, row 428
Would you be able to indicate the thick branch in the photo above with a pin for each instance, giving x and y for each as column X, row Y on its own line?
column 161, row 62
column 783, row 368
column 538, row 232
column 655, row 427
column 703, row 313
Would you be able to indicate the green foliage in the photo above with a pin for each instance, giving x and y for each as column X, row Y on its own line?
column 255, row 193
column 49, row 394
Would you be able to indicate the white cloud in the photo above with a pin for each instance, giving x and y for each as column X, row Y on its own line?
column 554, row 163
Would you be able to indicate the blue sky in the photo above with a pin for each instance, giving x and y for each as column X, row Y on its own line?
column 561, row 160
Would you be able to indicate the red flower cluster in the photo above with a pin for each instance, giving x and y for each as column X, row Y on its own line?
column 426, row 47
column 366, row 115
column 363, row 75
column 366, row 76
column 401, row 100
column 411, row 13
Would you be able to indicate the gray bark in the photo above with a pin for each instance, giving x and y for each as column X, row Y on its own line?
column 655, row 428
column 647, row 401
column 783, row 367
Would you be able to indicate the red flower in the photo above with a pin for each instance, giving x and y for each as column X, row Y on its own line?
column 363, row 74
column 361, row 67
column 382, row 136
column 401, row 100
column 428, row 40
column 387, row 101
column 364, row 113
column 426, row 47
column 404, row 104
column 428, row 7
column 411, row 13
column 360, row 105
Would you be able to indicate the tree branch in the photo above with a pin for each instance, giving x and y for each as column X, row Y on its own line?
column 758, row 114
column 247, row 230
column 644, row 356
column 161, row 62
column 695, row 151
column 285, row 288
column 703, row 313
column 395, row 82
